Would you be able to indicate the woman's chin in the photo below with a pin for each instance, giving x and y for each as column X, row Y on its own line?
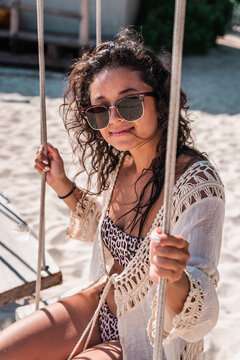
column 122, row 148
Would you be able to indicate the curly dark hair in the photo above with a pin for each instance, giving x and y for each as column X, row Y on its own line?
column 95, row 155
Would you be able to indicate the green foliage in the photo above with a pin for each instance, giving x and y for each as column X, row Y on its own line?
column 205, row 20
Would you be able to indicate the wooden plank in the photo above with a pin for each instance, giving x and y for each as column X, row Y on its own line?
column 62, row 13
column 31, row 60
column 25, row 310
column 59, row 39
column 18, row 258
column 70, row 41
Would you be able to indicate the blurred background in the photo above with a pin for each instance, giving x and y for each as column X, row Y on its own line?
column 70, row 25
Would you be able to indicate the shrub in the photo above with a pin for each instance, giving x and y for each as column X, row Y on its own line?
column 205, row 20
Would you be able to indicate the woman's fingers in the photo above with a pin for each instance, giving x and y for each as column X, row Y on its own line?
column 171, row 251
column 43, row 166
column 44, row 161
column 53, row 165
column 168, row 240
column 168, row 263
column 168, row 256
column 156, row 272
column 40, row 170
column 52, row 152
column 40, row 155
column 167, row 268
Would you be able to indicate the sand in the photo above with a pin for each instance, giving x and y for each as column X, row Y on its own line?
column 212, row 83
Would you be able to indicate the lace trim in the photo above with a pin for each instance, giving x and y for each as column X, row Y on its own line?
column 199, row 181
column 188, row 316
column 132, row 285
column 191, row 350
column 192, row 309
column 82, row 219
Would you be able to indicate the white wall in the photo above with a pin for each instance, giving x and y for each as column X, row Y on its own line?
column 115, row 14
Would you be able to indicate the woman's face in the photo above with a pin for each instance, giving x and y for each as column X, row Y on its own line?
column 107, row 88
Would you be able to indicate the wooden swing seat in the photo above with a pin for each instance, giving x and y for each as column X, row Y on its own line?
column 18, row 258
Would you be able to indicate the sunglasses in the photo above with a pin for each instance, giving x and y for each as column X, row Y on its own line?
column 130, row 108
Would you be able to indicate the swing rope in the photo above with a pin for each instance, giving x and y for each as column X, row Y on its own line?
column 178, row 33
column 41, row 245
column 98, row 22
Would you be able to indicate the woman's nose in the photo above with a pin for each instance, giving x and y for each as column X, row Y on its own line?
column 113, row 114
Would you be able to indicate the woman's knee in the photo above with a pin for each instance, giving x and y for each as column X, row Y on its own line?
column 35, row 337
column 62, row 323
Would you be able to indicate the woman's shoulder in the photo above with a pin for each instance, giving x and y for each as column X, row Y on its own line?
column 194, row 170
column 198, row 181
column 199, row 184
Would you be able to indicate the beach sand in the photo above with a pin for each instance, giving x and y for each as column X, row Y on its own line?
column 212, row 83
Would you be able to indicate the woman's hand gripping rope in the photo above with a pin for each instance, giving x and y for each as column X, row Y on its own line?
column 169, row 255
column 54, row 167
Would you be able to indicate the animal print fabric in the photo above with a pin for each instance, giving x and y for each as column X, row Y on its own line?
column 123, row 247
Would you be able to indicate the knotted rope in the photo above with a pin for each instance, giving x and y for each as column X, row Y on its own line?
column 41, row 245
column 178, row 32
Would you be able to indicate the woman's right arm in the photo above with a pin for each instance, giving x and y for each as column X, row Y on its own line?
column 84, row 218
column 55, row 175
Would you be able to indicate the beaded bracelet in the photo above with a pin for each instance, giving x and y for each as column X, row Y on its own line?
column 70, row 193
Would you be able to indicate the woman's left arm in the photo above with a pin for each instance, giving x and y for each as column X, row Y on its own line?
column 191, row 302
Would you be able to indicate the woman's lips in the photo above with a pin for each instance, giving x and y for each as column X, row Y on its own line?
column 121, row 132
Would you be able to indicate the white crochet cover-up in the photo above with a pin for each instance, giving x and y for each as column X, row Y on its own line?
column 197, row 215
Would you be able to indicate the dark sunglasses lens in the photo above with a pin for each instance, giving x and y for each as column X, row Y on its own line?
column 130, row 108
column 97, row 117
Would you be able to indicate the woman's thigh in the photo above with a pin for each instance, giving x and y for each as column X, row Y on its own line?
column 51, row 332
column 110, row 350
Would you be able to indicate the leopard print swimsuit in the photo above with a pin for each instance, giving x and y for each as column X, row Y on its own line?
column 123, row 247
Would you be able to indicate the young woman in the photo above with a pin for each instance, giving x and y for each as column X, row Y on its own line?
column 116, row 112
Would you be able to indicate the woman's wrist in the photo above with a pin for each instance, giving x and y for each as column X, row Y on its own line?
column 63, row 187
column 62, row 197
column 68, row 192
column 180, row 290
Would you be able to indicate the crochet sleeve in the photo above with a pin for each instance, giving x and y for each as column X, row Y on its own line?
column 84, row 221
column 198, row 217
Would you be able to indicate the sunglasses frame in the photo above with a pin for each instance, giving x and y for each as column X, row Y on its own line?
column 140, row 95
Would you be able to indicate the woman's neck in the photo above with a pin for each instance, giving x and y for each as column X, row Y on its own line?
column 141, row 162
column 142, row 157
